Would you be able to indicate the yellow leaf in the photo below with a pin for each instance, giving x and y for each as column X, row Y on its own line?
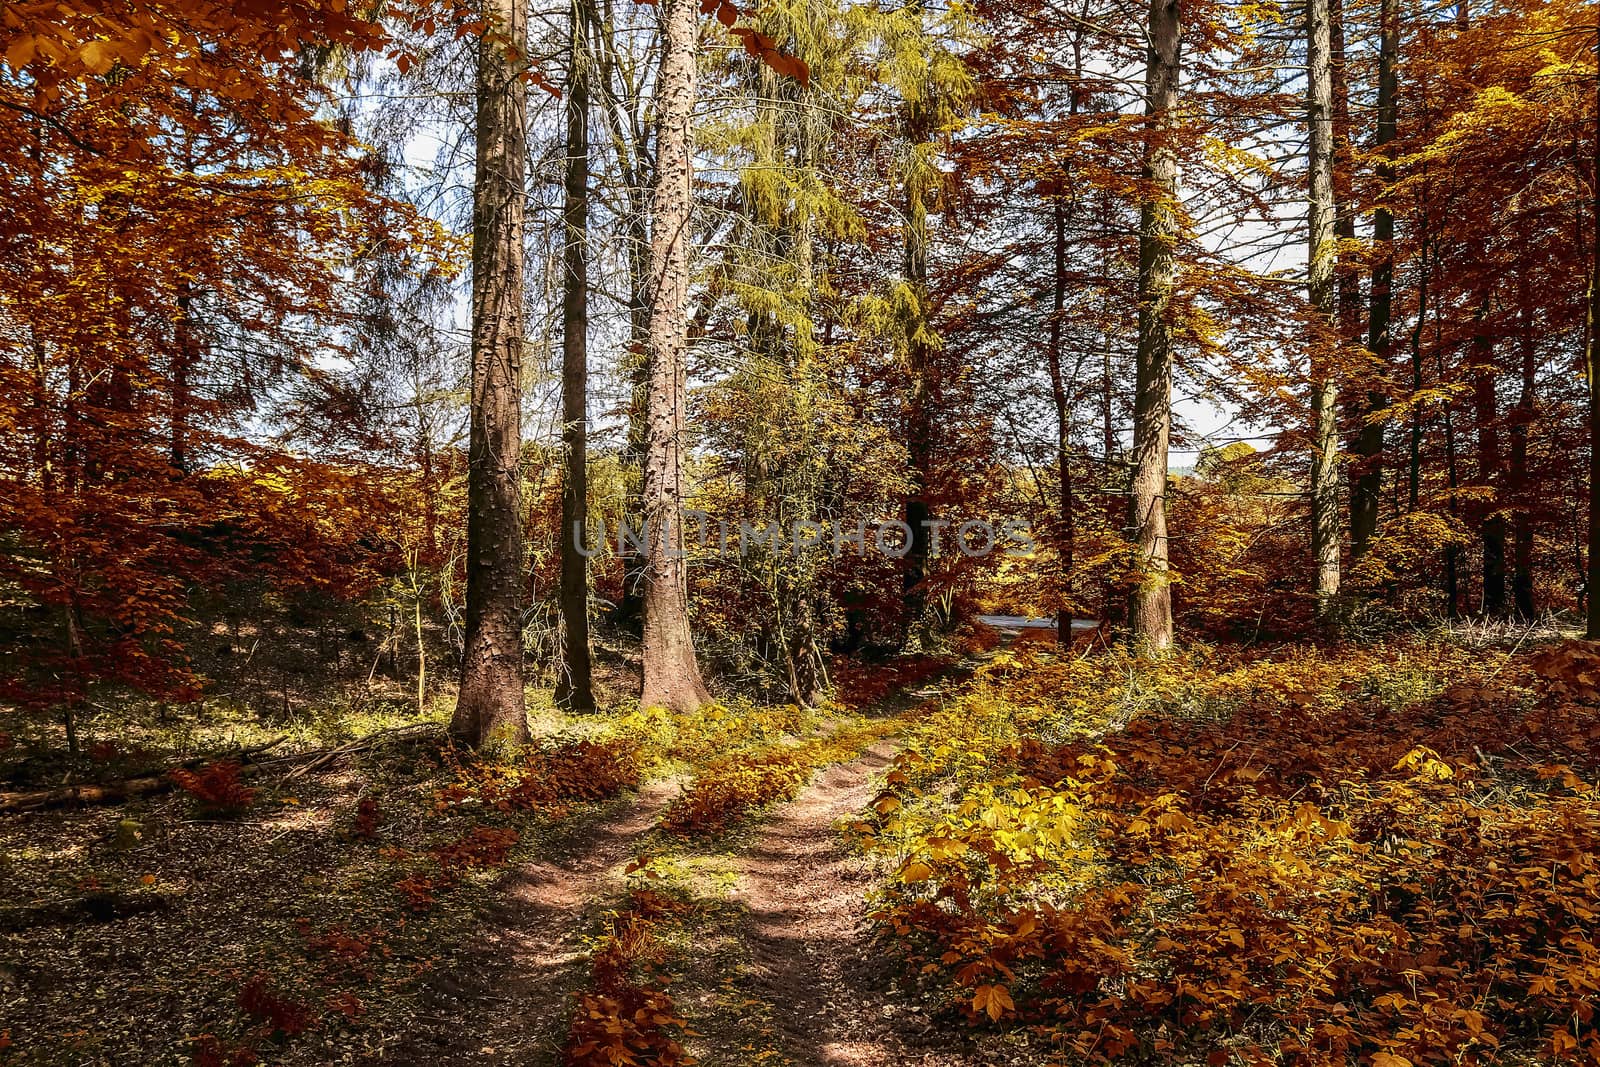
column 1389, row 1059
column 98, row 56
column 21, row 52
column 916, row 871
column 995, row 1000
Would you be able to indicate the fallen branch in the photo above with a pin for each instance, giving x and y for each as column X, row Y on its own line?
column 318, row 760
column 126, row 789
column 95, row 908
column 302, row 764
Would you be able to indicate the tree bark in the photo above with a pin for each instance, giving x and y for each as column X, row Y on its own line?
column 1521, row 422
column 919, row 370
column 1592, row 366
column 490, row 709
column 1367, row 466
column 1058, row 396
column 671, row 673
column 1150, row 604
column 1486, row 414
column 575, row 688
column 1322, row 263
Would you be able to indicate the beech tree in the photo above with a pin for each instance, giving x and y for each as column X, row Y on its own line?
column 1367, row 468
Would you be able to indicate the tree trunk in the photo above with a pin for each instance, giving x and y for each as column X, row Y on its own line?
column 1059, row 399
column 1592, row 366
column 1322, row 262
column 671, row 674
column 918, row 370
column 1485, row 414
column 1150, row 605
column 1415, row 430
column 1368, row 447
column 574, row 688
column 1521, row 424
column 1452, row 470
column 490, row 707
column 185, row 357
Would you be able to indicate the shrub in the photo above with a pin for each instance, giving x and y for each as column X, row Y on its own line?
column 216, row 788
column 1331, row 867
column 627, row 1016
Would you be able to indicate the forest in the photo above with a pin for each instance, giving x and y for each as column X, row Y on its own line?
column 827, row 533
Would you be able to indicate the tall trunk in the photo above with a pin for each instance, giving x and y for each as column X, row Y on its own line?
column 671, row 673
column 1368, row 446
column 918, row 369
column 1347, row 274
column 1485, row 414
column 1592, row 362
column 1322, row 260
column 574, row 688
column 185, row 356
column 1521, row 424
column 1414, row 431
column 628, row 142
column 1058, row 396
column 1150, row 605
column 490, row 708
column 1452, row 471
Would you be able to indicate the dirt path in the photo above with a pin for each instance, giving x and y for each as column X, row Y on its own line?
column 505, row 998
column 811, row 958
column 798, row 910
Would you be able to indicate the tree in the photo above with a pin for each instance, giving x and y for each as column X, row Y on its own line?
column 1368, row 447
column 1322, row 263
column 194, row 222
column 490, row 709
column 1592, row 366
column 1150, row 604
column 574, row 687
column 671, row 672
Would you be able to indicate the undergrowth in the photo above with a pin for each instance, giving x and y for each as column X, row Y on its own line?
column 1383, row 856
column 627, row 1015
column 730, row 788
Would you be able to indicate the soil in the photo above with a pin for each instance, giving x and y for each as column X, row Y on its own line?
column 505, row 998
column 812, row 958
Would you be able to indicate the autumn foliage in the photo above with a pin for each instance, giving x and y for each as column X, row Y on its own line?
column 187, row 211
column 627, row 1016
column 215, row 787
column 1277, row 860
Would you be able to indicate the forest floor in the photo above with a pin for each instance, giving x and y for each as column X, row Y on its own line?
column 1385, row 854
column 359, row 893
column 767, row 948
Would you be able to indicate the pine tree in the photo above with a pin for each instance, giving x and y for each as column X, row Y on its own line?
column 490, row 709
